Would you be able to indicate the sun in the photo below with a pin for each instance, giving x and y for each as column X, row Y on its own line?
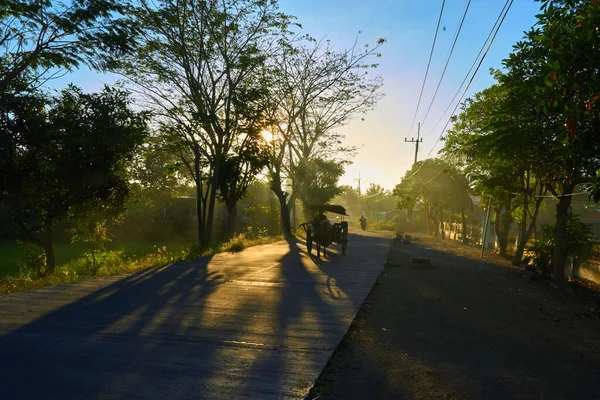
column 268, row 136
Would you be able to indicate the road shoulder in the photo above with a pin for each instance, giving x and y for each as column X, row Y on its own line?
column 464, row 328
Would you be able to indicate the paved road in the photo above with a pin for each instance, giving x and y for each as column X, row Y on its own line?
column 463, row 328
column 258, row 324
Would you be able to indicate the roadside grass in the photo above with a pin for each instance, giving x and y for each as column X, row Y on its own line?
column 74, row 264
column 10, row 255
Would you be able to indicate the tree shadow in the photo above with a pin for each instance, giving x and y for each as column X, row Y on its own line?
column 81, row 348
column 323, row 297
column 188, row 330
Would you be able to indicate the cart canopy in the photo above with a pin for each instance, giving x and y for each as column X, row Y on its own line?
column 336, row 209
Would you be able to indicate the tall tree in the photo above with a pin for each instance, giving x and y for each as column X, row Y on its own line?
column 316, row 90
column 200, row 68
column 556, row 64
column 494, row 145
column 64, row 156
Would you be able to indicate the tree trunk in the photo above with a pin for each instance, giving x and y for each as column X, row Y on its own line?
column 286, row 226
column 465, row 239
column 523, row 239
column 291, row 205
column 428, row 225
column 502, row 227
column 284, row 211
column 559, row 255
column 516, row 261
column 443, row 228
column 231, row 218
column 49, row 249
column 212, row 199
column 199, row 218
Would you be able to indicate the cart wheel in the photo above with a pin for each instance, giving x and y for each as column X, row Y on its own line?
column 344, row 245
column 309, row 243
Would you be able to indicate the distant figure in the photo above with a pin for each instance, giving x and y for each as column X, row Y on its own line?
column 363, row 222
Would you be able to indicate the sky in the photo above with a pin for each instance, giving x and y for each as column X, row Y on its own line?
column 408, row 26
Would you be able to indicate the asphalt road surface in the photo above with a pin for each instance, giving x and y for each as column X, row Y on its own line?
column 258, row 324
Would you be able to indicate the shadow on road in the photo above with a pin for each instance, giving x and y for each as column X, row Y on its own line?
column 110, row 328
column 187, row 331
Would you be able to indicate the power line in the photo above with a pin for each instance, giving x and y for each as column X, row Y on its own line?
column 425, row 78
column 471, row 69
column 499, row 22
column 457, row 34
column 474, row 74
column 428, row 65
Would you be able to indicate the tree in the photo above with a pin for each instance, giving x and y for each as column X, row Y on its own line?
column 377, row 199
column 320, row 179
column 556, row 66
column 239, row 170
column 200, row 68
column 494, row 144
column 350, row 199
column 315, row 90
column 40, row 39
column 64, row 156
column 438, row 187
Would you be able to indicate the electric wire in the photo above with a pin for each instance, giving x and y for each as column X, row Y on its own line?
column 483, row 46
column 456, row 36
column 425, row 78
column 428, row 65
column 501, row 18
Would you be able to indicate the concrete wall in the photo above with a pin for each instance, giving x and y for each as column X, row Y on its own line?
column 589, row 269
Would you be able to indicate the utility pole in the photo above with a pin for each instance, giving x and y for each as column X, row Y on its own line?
column 416, row 142
column 419, row 140
column 359, row 192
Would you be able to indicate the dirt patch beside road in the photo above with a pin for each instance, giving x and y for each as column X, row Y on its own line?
column 464, row 328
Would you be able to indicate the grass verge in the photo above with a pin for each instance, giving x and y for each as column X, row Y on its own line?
column 123, row 261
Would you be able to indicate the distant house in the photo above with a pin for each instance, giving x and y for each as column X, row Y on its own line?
column 592, row 219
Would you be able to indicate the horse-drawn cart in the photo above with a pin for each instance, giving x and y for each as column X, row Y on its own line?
column 322, row 232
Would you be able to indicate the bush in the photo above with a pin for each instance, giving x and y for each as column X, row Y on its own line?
column 578, row 240
column 33, row 260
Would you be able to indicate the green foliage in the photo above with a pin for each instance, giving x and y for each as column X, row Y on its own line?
column 579, row 236
column 377, row 200
column 213, row 113
column 436, row 185
column 92, row 232
column 66, row 156
column 40, row 38
column 123, row 260
column 317, row 180
column 33, row 260
column 554, row 69
column 384, row 225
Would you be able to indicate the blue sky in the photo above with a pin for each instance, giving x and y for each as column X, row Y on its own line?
column 408, row 26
